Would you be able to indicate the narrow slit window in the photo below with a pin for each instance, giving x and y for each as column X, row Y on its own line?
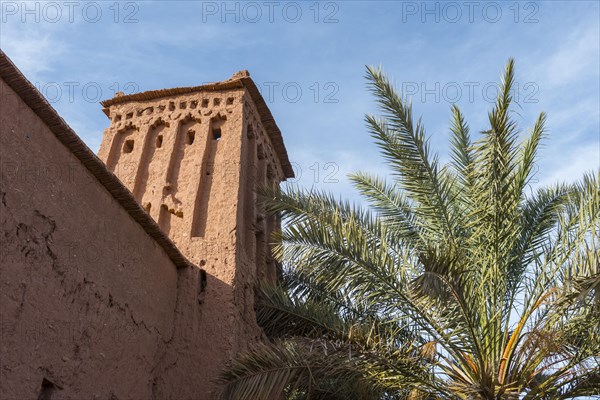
column 191, row 135
column 159, row 141
column 128, row 146
column 216, row 133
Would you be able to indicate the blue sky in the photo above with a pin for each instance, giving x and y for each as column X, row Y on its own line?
column 309, row 58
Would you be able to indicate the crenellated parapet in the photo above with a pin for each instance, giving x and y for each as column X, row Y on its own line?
column 176, row 149
column 164, row 150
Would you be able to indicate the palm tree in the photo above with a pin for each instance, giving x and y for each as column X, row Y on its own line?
column 459, row 280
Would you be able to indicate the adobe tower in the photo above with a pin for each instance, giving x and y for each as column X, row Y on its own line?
column 193, row 158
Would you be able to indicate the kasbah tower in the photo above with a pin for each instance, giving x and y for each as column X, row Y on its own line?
column 194, row 158
column 169, row 206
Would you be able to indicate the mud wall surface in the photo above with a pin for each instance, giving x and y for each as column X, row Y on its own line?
column 87, row 299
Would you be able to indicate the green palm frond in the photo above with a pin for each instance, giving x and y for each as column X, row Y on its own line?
column 461, row 148
column 281, row 315
column 269, row 372
column 457, row 281
column 393, row 209
column 526, row 156
column 403, row 144
column 321, row 369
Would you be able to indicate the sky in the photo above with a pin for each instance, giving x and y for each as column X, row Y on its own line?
column 309, row 60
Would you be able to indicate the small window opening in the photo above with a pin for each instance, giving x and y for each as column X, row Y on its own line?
column 201, row 286
column 204, row 103
column 216, row 133
column 194, row 104
column 229, row 101
column 191, row 135
column 128, row 146
column 139, row 112
column 171, row 105
column 129, row 115
column 117, row 117
column 183, row 104
column 47, row 390
column 159, row 140
column 216, row 101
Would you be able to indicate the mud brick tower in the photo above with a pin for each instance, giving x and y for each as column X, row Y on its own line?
column 193, row 158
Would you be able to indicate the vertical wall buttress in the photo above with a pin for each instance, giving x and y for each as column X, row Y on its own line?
column 153, row 147
column 260, row 223
column 249, row 188
column 208, row 171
